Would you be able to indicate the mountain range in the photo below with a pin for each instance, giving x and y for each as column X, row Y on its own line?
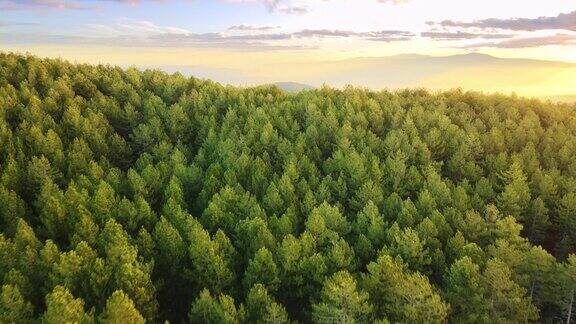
column 528, row 77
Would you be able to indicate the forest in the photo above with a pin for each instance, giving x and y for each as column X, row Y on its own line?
column 131, row 196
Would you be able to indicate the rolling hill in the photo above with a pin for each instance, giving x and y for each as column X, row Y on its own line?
column 293, row 86
column 131, row 196
column 528, row 77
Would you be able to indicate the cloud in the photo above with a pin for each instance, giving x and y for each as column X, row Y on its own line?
column 128, row 32
column 58, row 4
column 293, row 10
column 39, row 4
column 17, row 24
column 562, row 21
column 129, row 27
column 289, row 7
column 143, row 27
column 396, row 2
column 281, row 6
column 285, row 7
column 271, row 5
column 213, row 40
column 383, row 35
column 245, row 27
column 460, row 35
column 219, row 38
column 528, row 42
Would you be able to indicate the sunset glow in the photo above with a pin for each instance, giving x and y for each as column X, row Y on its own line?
column 249, row 41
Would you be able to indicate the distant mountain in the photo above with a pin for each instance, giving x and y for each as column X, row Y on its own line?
column 293, row 86
column 474, row 71
column 528, row 77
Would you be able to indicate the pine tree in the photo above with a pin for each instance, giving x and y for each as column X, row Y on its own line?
column 62, row 307
column 341, row 302
column 13, row 307
column 120, row 309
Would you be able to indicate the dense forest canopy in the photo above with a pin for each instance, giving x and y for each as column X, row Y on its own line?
column 133, row 196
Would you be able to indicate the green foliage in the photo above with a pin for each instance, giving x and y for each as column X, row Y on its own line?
column 261, row 307
column 516, row 195
column 262, row 269
column 465, row 291
column 402, row 296
column 341, row 302
column 206, row 309
column 13, row 307
column 508, row 301
column 120, row 309
column 62, row 307
column 133, row 196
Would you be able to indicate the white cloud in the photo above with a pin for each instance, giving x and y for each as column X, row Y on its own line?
column 248, row 27
column 531, row 42
column 565, row 21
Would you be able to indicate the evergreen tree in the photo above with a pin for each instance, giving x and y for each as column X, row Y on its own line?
column 120, row 309
column 62, row 307
column 208, row 310
column 341, row 302
column 261, row 307
column 13, row 307
column 465, row 292
column 142, row 196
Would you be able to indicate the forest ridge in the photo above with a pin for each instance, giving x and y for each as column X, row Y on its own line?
column 132, row 196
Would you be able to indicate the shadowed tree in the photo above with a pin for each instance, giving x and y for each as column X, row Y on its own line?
column 209, row 310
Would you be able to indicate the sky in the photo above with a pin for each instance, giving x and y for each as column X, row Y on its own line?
column 255, row 41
